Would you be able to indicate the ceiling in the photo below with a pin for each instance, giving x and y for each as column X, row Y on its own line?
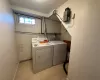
column 44, row 6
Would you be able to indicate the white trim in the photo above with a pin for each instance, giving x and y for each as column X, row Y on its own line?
column 16, row 71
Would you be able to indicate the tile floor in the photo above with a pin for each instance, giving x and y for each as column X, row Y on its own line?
column 53, row 73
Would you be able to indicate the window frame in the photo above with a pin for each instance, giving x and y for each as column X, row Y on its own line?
column 23, row 16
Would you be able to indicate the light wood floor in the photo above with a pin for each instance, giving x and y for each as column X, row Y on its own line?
column 25, row 72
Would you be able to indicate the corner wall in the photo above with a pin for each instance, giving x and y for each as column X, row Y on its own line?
column 65, row 34
column 85, row 47
column 8, row 55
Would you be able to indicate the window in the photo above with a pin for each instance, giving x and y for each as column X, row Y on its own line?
column 26, row 20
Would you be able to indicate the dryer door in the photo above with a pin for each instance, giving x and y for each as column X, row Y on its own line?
column 60, row 51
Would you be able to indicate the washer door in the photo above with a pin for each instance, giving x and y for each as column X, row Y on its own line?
column 44, row 57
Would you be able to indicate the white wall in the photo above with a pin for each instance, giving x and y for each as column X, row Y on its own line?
column 64, row 34
column 8, row 55
column 28, row 28
column 85, row 48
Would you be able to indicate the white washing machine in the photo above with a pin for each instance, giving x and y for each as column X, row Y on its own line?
column 59, row 52
column 42, row 55
column 48, row 54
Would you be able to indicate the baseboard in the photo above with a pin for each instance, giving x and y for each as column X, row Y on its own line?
column 24, row 60
column 16, row 71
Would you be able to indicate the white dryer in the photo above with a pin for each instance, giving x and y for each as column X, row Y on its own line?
column 60, row 51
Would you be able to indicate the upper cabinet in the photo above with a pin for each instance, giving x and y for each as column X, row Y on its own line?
column 52, row 26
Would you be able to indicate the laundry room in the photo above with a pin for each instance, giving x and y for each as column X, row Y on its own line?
column 42, row 43
column 49, row 40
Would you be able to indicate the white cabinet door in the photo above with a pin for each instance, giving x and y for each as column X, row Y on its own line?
column 23, row 46
column 52, row 26
column 60, row 52
column 44, row 57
